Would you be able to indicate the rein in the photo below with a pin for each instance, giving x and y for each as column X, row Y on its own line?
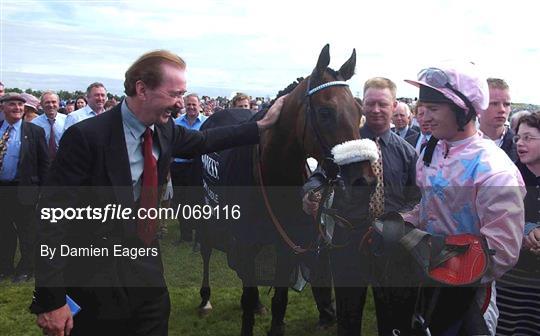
column 295, row 247
column 327, row 191
column 317, row 219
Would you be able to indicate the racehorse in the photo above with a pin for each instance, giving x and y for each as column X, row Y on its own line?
column 320, row 118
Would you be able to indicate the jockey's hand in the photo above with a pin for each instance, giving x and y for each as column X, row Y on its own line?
column 272, row 114
column 532, row 240
column 57, row 322
column 310, row 203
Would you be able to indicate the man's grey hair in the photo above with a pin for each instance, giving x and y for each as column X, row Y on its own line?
column 406, row 107
column 193, row 94
column 94, row 85
column 49, row 92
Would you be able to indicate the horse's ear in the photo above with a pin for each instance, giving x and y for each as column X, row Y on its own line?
column 347, row 69
column 322, row 62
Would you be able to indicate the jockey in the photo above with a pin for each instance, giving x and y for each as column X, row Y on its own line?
column 468, row 185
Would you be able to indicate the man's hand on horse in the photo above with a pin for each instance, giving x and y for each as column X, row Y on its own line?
column 57, row 322
column 272, row 114
column 310, row 203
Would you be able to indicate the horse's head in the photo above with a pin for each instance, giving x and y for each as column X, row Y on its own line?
column 327, row 125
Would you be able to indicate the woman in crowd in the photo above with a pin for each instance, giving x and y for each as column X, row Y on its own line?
column 31, row 107
column 518, row 291
column 80, row 102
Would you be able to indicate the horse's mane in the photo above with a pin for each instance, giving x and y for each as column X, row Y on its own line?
column 286, row 90
column 290, row 87
column 294, row 84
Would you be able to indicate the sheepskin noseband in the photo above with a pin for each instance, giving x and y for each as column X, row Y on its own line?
column 355, row 151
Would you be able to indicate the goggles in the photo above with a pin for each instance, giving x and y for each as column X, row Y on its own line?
column 435, row 77
column 438, row 79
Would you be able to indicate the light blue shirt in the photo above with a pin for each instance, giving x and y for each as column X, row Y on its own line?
column 58, row 126
column 11, row 158
column 79, row 115
column 133, row 133
column 183, row 121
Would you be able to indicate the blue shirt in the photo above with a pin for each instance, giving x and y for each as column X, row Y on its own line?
column 183, row 121
column 133, row 132
column 58, row 126
column 79, row 115
column 11, row 158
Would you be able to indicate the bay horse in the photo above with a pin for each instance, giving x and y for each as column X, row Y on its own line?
column 319, row 118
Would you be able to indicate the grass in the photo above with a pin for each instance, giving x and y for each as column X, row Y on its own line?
column 183, row 271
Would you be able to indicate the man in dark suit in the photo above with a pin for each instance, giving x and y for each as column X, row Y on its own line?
column 23, row 164
column 419, row 140
column 102, row 161
column 401, row 118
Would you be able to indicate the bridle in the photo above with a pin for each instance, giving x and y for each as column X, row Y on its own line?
column 329, row 165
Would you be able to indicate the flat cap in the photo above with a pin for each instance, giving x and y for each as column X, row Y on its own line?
column 12, row 96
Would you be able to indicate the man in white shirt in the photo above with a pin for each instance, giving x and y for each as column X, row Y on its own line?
column 96, row 94
column 419, row 141
column 51, row 121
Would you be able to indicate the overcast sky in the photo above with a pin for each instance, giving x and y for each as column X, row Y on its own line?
column 264, row 45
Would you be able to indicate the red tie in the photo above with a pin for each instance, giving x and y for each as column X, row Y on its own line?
column 146, row 228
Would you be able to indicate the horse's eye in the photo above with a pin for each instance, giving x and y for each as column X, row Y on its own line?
column 326, row 113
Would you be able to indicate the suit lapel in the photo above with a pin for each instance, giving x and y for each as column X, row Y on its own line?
column 164, row 148
column 24, row 144
column 117, row 161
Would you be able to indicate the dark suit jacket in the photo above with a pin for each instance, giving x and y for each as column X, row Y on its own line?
column 413, row 139
column 410, row 132
column 508, row 145
column 33, row 162
column 92, row 168
column 415, row 128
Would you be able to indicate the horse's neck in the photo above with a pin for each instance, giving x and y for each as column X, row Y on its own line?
column 283, row 164
column 282, row 176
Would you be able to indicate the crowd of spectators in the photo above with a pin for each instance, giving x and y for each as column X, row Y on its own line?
column 405, row 129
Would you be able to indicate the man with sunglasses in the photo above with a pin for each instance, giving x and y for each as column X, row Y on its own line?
column 469, row 186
